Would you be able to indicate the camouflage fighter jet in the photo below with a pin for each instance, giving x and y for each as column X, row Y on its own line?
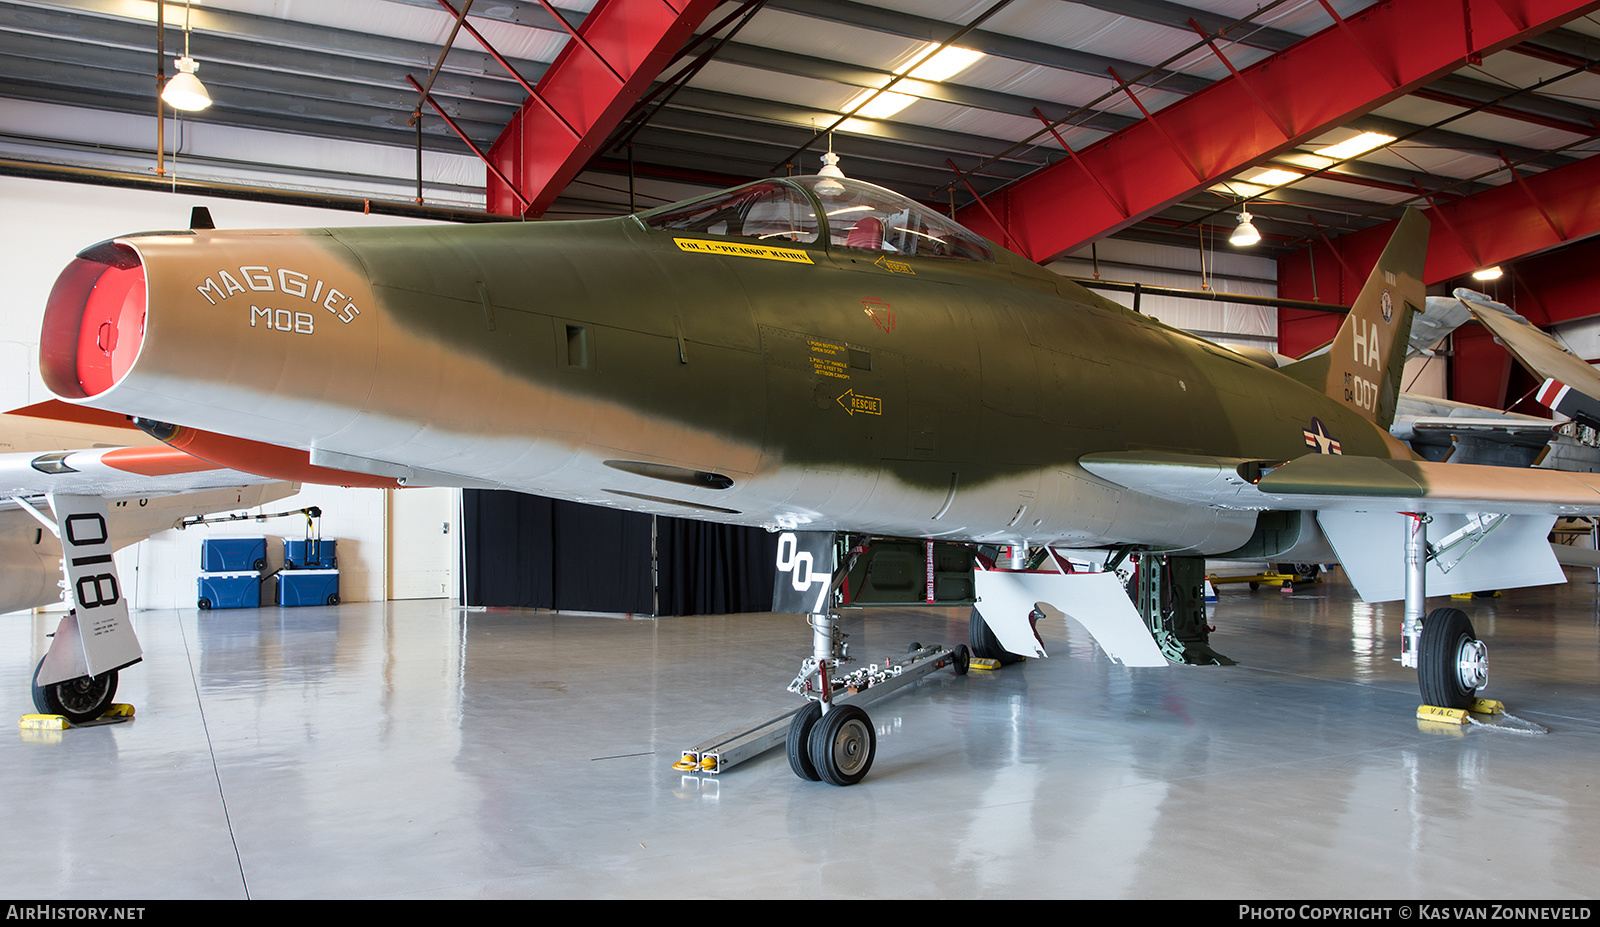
column 815, row 354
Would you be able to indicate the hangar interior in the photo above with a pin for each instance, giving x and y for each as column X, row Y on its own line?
column 478, row 753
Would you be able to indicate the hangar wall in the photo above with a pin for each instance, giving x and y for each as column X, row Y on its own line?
column 47, row 223
column 208, row 151
column 1225, row 271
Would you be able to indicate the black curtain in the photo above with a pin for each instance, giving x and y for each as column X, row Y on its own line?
column 708, row 569
column 602, row 559
column 530, row 552
column 510, row 549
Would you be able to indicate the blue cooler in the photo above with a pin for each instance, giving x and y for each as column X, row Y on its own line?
column 310, row 554
column 230, row 590
column 308, row 587
column 233, row 555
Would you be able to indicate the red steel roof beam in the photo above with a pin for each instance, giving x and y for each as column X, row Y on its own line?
column 615, row 55
column 1532, row 214
column 533, row 93
column 1074, row 155
column 493, row 168
column 1319, row 83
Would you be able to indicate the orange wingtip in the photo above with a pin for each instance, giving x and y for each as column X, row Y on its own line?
column 155, row 461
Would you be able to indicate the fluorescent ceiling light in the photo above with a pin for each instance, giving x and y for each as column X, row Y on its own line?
column 881, row 104
column 1351, row 147
column 1273, row 177
column 944, row 65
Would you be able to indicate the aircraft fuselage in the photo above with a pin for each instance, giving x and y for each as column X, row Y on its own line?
column 768, row 382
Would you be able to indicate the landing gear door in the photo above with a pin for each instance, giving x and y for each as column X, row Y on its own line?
column 104, row 633
column 805, row 573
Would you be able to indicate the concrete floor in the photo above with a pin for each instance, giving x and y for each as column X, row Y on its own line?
column 412, row 750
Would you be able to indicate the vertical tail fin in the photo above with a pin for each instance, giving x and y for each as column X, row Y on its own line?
column 1364, row 363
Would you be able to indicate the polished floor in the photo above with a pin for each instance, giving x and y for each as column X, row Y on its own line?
column 413, row 750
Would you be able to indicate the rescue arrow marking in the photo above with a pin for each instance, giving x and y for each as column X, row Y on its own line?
column 867, row 404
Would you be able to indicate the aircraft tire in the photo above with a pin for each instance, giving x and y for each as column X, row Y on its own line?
column 843, row 743
column 798, row 743
column 984, row 644
column 78, row 700
column 1446, row 634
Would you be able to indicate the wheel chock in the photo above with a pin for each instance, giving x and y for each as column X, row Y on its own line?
column 1442, row 715
column 1496, row 718
column 983, row 663
column 43, row 723
column 117, row 713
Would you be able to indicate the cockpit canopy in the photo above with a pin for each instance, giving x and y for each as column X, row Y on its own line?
column 855, row 215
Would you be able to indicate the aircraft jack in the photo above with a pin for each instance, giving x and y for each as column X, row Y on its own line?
column 1256, row 581
column 116, row 714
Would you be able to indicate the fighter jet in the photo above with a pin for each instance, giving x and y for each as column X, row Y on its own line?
column 817, row 355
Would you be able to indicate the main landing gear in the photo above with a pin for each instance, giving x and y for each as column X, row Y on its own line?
column 78, row 700
column 1451, row 663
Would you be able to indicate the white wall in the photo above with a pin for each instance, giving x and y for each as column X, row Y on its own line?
column 1225, row 271
column 200, row 149
column 42, row 225
column 1581, row 337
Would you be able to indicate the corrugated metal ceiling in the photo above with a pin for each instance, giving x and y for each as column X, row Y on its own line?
column 313, row 95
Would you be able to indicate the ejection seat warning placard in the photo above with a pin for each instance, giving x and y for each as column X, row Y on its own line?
column 735, row 249
column 828, row 360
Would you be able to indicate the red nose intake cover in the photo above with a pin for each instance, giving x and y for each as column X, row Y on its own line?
column 113, row 326
column 94, row 322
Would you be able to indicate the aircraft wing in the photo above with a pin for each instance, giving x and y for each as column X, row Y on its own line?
column 145, row 490
column 114, row 471
column 1321, row 482
column 1531, row 347
column 1572, row 385
column 1480, row 514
